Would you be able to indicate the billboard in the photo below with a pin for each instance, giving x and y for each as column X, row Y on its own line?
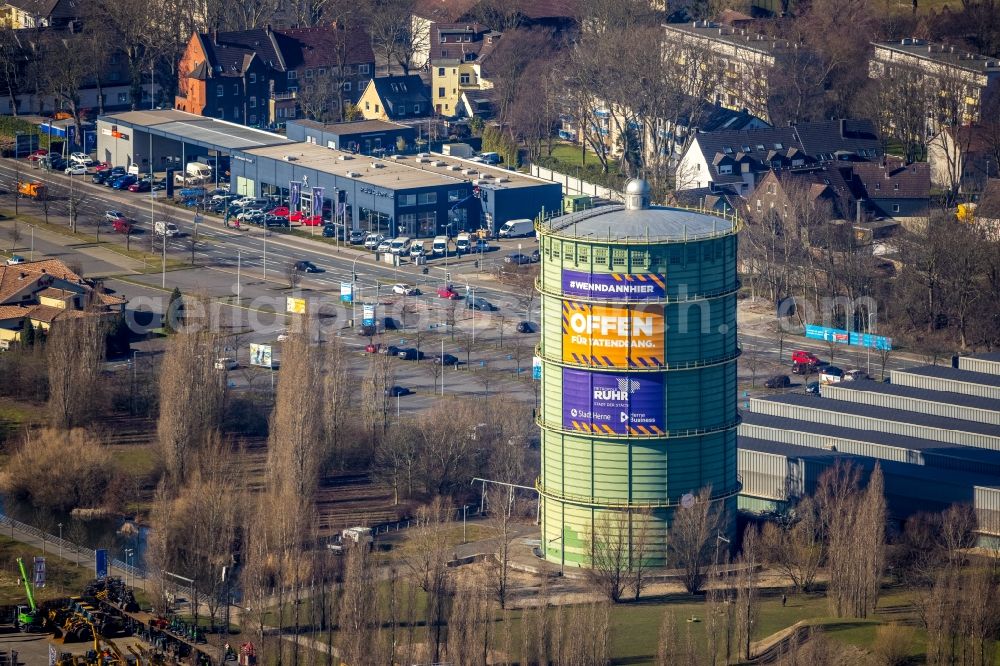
column 615, row 286
column 347, row 292
column 612, row 337
column 260, row 355
column 295, row 305
column 848, row 337
column 368, row 315
column 39, row 578
column 613, row 403
column 101, row 562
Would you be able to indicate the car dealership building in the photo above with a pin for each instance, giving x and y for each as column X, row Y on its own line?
column 417, row 195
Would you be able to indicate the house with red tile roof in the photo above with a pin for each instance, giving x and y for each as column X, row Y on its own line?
column 43, row 292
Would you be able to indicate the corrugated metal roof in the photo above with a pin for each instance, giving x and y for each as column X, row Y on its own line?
column 884, row 413
column 921, row 473
column 988, row 356
column 946, row 397
column 224, row 135
column 883, row 438
column 948, row 372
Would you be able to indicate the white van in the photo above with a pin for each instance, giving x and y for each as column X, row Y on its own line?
column 440, row 245
column 516, row 228
column 463, row 243
column 166, row 229
column 417, row 248
column 400, row 245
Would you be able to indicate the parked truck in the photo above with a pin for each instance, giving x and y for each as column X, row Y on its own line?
column 195, row 173
column 517, row 228
column 31, row 190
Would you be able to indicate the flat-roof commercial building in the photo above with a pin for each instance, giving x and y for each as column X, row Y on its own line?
column 935, row 430
column 418, row 195
column 369, row 137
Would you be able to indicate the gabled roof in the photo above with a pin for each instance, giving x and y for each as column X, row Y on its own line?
column 822, row 182
column 395, row 91
column 466, row 42
column 319, row 46
column 39, row 8
column 479, row 103
column 810, row 142
column 892, row 178
column 449, row 11
column 15, row 278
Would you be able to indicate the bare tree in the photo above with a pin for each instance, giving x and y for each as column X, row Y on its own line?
column 429, row 564
column 75, row 351
column 795, row 547
column 609, row 554
column 747, row 584
column 14, row 233
column 503, row 507
column 691, row 537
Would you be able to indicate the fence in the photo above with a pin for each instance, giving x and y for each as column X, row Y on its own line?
column 573, row 185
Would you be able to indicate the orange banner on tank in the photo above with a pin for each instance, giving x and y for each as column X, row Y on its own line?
column 612, row 337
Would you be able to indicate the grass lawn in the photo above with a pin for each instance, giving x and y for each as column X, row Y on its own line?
column 570, row 155
column 63, row 577
column 134, row 461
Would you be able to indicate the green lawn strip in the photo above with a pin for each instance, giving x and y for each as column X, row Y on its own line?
column 134, row 460
column 63, row 577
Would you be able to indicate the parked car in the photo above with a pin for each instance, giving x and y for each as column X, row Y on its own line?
column 778, row 381
column 15, row 259
column 517, row 258
column 102, row 166
column 831, row 375
column 140, row 186
column 280, row 211
column 123, row 182
column 166, row 229
column 357, row 237
column 371, row 348
column 525, row 327
column 384, row 247
column 812, row 388
column 405, row 289
column 389, row 350
column 855, row 375
column 481, row 246
column 447, row 292
column 307, row 267
column 112, row 215
column 446, row 359
column 312, row 221
column 367, row 331
column 803, row 368
column 535, row 256
column 410, row 354
column 121, row 226
column 396, row 391
column 226, row 364
column 275, row 221
column 329, row 231
column 479, row 303
column 372, row 241
column 75, row 170
column 804, row 357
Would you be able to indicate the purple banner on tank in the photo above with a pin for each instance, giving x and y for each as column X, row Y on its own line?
column 612, row 403
column 614, row 286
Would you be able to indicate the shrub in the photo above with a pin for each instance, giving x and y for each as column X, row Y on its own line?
column 892, row 645
column 59, row 469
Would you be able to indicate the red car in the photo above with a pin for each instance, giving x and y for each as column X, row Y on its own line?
column 37, row 155
column 122, row 226
column 371, row 348
column 804, row 357
column 447, row 292
column 139, row 186
column 280, row 211
column 312, row 221
column 102, row 166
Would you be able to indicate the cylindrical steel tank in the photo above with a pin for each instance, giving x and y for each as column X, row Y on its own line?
column 638, row 351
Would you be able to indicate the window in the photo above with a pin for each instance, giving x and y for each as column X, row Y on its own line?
column 219, row 113
column 777, row 146
column 291, row 112
column 618, row 257
column 363, row 69
column 253, row 77
column 455, row 195
column 253, row 102
column 878, row 186
column 367, row 106
column 218, row 91
column 347, row 86
column 425, row 198
column 236, row 89
column 123, row 98
column 293, row 89
column 895, row 186
column 416, row 109
column 292, row 75
column 407, row 199
column 236, row 112
column 770, row 188
column 321, row 71
column 114, row 75
column 727, row 150
column 440, row 92
column 895, row 208
column 309, row 73
column 376, row 108
column 440, row 71
column 725, row 169
column 253, row 119
column 113, row 59
column 407, row 221
column 348, row 69
column 465, row 79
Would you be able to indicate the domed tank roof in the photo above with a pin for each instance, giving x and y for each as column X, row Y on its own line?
column 637, row 186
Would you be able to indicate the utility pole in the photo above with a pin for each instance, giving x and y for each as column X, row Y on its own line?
column 239, row 266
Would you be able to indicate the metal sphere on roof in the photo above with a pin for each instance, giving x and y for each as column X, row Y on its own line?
column 637, row 186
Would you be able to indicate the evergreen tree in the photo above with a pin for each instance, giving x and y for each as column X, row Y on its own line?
column 174, row 308
column 28, row 334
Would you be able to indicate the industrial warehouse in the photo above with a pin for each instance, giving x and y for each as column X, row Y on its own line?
column 420, row 195
column 935, row 431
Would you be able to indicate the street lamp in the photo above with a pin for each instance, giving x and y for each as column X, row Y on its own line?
column 128, row 555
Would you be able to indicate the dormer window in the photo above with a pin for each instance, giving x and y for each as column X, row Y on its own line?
column 444, row 39
column 725, row 169
column 777, row 146
column 895, row 186
column 727, row 150
column 760, row 146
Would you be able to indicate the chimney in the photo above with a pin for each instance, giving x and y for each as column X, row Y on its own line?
column 857, row 215
column 843, row 127
column 215, row 36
